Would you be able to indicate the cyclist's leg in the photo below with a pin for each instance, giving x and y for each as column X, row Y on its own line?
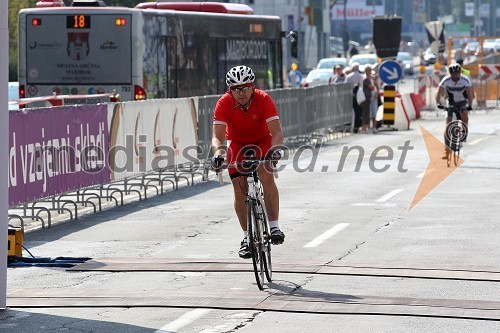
column 449, row 117
column 464, row 117
column 239, row 183
column 464, row 114
column 271, row 195
column 240, row 189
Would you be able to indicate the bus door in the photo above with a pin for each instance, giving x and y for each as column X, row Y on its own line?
column 221, row 65
column 162, row 69
column 211, row 59
column 274, row 65
column 171, row 75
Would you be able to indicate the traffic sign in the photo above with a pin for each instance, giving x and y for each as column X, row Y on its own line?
column 390, row 72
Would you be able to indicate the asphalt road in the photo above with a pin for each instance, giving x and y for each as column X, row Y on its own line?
column 331, row 213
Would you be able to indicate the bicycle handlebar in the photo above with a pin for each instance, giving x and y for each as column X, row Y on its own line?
column 454, row 108
column 248, row 163
column 244, row 164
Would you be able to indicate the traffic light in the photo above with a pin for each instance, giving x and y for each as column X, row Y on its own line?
column 293, row 44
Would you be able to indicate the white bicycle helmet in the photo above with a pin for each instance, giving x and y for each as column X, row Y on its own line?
column 455, row 68
column 239, row 75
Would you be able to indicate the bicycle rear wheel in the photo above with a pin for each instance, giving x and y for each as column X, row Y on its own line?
column 255, row 243
column 266, row 242
column 448, row 144
column 460, row 137
column 456, row 155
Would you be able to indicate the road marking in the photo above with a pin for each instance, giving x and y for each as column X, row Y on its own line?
column 421, row 175
column 191, row 273
column 475, row 142
column 373, row 204
column 183, row 320
column 389, row 195
column 324, row 236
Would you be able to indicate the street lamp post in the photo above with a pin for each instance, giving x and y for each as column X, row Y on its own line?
column 345, row 35
column 300, row 40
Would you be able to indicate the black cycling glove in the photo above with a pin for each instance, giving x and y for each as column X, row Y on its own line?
column 216, row 163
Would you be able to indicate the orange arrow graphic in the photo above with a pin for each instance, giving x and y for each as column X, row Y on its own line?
column 437, row 170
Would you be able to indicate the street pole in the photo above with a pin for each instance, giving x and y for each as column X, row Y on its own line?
column 476, row 23
column 428, row 9
column 494, row 18
column 4, row 151
column 344, row 30
column 300, row 41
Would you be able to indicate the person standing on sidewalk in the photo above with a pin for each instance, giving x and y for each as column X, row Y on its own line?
column 356, row 78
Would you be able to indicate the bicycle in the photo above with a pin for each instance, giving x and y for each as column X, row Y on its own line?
column 259, row 236
column 455, row 134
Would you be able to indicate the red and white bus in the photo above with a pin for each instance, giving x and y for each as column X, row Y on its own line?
column 155, row 50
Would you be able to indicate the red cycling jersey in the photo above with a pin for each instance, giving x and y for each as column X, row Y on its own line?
column 246, row 127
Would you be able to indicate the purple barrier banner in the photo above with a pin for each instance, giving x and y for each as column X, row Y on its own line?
column 56, row 150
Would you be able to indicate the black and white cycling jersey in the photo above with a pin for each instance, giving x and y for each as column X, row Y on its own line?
column 457, row 91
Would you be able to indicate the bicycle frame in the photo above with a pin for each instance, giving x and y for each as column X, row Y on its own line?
column 259, row 237
column 455, row 134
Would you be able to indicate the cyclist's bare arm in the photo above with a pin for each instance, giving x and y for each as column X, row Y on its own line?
column 276, row 131
column 470, row 95
column 438, row 95
column 218, row 139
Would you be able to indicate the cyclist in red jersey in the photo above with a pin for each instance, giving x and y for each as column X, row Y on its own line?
column 246, row 118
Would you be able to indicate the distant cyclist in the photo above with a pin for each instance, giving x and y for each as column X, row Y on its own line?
column 465, row 71
column 247, row 118
column 459, row 91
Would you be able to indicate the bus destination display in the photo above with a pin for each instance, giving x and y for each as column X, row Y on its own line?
column 78, row 22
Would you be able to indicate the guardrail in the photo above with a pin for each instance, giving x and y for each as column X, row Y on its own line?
column 59, row 100
column 65, row 157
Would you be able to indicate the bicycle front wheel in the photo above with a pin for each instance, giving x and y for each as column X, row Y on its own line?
column 266, row 242
column 461, row 136
column 456, row 155
column 255, row 243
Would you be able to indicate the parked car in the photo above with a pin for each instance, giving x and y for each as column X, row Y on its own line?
column 331, row 62
column 13, row 95
column 491, row 45
column 337, row 46
column 318, row 77
column 472, row 48
column 406, row 61
column 363, row 60
column 429, row 57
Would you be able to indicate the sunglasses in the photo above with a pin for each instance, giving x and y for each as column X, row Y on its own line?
column 242, row 89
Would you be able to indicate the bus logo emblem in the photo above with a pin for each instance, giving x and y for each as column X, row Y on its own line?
column 78, row 45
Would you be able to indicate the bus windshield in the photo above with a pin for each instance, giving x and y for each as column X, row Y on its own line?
column 78, row 49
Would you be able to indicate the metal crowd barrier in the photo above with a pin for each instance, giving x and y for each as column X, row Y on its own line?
column 308, row 115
